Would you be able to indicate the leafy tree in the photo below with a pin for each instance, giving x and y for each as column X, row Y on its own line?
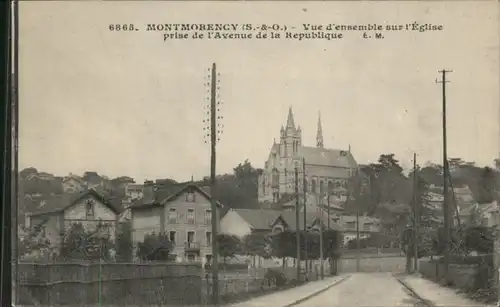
column 228, row 245
column 34, row 242
column 86, row 244
column 27, row 172
column 124, row 244
column 255, row 244
column 283, row 245
column 155, row 247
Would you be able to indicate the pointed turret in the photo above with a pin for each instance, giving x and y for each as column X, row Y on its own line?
column 290, row 122
column 319, row 134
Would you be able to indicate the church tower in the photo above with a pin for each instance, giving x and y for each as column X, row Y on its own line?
column 319, row 133
column 291, row 137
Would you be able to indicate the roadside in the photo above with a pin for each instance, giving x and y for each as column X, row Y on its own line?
column 293, row 296
column 434, row 295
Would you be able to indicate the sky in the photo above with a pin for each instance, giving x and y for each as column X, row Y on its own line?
column 128, row 103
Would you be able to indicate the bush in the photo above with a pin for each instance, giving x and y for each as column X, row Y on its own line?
column 87, row 244
column 275, row 277
column 155, row 247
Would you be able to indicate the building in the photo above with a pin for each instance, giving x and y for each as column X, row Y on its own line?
column 242, row 222
column 58, row 213
column 367, row 226
column 287, row 221
column 134, row 191
column 73, row 184
column 326, row 170
column 183, row 211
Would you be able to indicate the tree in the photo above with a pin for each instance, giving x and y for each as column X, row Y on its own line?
column 35, row 241
column 155, row 247
column 255, row 244
column 283, row 245
column 87, row 244
column 229, row 245
column 27, row 172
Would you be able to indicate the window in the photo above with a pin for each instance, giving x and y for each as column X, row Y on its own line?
column 351, row 224
column 172, row 216
column 263, row 185
column 275, row 178
column 321, row 188
column 305, row 185
column 313, row 186
column 89, row 209
column 367, row 226
column 208, row 217
column 172, row 236
column 190, row 236
column 190, row 216
column 208, row 238
column 190, row 197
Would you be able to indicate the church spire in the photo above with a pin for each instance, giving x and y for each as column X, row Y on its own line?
column 290, row 122
column 319, row 134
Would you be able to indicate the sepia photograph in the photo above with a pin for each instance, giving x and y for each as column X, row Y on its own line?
column 267, row 153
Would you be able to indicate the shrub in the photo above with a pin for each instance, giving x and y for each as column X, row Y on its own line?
column 155, row 247
column 275, row 277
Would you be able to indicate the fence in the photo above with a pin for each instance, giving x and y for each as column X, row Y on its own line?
column 110, row 283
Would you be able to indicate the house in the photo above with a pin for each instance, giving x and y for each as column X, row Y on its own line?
column 480, row 214
column 134, row 191
column 287, row 221
column 242, row 222
column 367, row 226
column 73, row 184
column 183, row 211
column 58, row 213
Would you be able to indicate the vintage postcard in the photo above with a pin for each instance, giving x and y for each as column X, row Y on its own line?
column 267, row 153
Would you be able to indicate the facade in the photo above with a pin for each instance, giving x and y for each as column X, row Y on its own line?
column 57, row 214
column 320, row 170
column 183, row 212
column 367, row 226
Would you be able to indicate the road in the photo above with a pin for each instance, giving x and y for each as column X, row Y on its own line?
column 365, row 290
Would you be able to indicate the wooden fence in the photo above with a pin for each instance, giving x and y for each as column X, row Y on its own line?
column 110, row 284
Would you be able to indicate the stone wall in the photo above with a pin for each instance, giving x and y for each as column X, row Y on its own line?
column 110, row 284
column 462, row 276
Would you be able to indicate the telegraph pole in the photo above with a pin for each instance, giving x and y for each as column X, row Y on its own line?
column 355, row 200
column 213, row 142
column 297, row 218
column 306, row 256
column 322, row 270
column 446, row 208
column 416, row 214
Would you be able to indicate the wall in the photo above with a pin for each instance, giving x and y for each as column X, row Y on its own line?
column 233, row 224
column 121, row 284
column 145, row 222
column 372, row 263
column 78, row 212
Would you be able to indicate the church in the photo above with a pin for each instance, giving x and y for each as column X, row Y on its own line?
column 320, row 170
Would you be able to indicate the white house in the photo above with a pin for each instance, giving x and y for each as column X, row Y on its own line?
column 58, row 213
column 242, row 222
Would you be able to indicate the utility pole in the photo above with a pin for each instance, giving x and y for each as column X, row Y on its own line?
column 328, row 208
column 446, row 208
column 355, row 200
column 306, row 254
column 416, row 214
column 213, row 142
column 297, row 218
column 322, row 271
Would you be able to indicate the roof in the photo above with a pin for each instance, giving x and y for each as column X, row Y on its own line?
column 58, row 203
column 327, row 157
column 290, row 219
column 258, row 219
column 157, row 195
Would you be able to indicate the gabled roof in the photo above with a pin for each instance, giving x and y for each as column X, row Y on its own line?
column 327, row 157
column 290, row 220
column 158, row 196
column 59, row 203
column 258, row 219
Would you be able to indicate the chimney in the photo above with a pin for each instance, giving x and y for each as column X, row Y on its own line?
column 149, row 192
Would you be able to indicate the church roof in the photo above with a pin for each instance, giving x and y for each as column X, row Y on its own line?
column 327, row 157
